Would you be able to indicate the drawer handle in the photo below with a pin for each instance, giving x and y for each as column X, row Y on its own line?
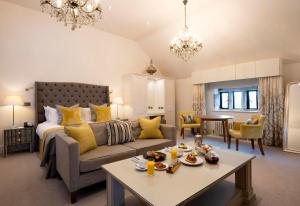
column 19, row 140
column 19, row 133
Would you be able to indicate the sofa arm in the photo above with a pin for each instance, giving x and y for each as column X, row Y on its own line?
column 67, row 160
column 237, row 125
column 168, row 131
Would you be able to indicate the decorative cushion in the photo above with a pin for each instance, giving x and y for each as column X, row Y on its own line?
column 150, row 128
column 93, row 113
column 84, row 135
column 188, row 119
column 100, row 132
column 119, row 132
column 71, row 116
column 252, row 121
column 58, row 107
column 103, row 114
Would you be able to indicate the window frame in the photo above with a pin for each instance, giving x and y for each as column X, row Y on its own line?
column 248, row 99
column 221, row 98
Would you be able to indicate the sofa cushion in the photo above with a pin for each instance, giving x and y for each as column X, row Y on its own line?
column 100, row 133
column 93, row 159
column 119, row 132
column 144, row 145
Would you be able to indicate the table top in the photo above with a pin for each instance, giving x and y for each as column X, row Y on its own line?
column 172, row 189
column 216, row 117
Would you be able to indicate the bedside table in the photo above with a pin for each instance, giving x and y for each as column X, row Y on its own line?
column 18, row 139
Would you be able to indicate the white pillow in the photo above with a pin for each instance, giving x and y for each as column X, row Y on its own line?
column 51, row 115
column 86, row 114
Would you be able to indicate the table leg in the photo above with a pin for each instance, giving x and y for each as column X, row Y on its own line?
column 115, row 192
column 224, row 130
column 227, row 129
column 202, row 128
column 243, row 181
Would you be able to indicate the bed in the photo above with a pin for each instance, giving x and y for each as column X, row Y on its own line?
column 66, row 94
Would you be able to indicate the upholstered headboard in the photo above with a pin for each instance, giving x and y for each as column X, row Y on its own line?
column 67, row 94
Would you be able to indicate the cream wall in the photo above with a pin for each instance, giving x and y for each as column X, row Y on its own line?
column 183, row 96
column 34, row 47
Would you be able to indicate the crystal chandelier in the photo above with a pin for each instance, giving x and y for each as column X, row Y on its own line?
column 73, row 12
column 185, row 45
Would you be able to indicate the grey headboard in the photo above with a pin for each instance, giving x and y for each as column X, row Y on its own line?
column 67, row 94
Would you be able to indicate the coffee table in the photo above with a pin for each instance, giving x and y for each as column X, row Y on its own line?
column 181, row 187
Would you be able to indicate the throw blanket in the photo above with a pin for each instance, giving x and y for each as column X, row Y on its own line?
column 47, row 136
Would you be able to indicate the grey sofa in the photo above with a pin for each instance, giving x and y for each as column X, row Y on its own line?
column 79, row 171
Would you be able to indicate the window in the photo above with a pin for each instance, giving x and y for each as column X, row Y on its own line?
column 239, row 99
column 224, row 100
column 252, row 102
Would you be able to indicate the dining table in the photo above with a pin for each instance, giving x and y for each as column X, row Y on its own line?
column 216, row 118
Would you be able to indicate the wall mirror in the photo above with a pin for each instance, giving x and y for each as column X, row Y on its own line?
column 291, row 141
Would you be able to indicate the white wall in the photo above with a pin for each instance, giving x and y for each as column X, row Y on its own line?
column 184, row 96
column 291, row 72
column 34, row 47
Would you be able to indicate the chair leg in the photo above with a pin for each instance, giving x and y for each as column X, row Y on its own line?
column 252, row 143
column 73, row 197
column 260, row 146
column 229, row 141
column 237, row 144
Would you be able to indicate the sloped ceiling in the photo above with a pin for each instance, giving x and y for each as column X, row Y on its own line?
column 233, row 31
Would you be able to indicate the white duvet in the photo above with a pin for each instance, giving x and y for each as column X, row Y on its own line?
column 41, row 128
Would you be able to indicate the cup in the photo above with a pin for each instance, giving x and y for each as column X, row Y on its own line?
column 173, row 154
column 150, row 168
column 180, row 152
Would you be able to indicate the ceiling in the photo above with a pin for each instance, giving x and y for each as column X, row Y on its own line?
column 233, row 31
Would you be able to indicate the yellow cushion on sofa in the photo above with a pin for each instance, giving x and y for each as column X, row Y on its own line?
column 103, row 114
column 150, row 128
column 84, row 135
column 71, row 115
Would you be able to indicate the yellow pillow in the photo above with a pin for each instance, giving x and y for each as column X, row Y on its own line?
column 71, row 115
column 103, row 114
column 150, row 128
column 84, row 135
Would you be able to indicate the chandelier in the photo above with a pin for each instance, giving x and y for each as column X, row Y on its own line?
column 185, row 45
column 73, row 12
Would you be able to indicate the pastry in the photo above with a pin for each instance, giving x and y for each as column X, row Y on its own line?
column 160, row 165
column 191, row 158
column 182, row 146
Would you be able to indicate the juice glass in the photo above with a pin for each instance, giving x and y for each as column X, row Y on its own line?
column 150, row 167
column 173, row 154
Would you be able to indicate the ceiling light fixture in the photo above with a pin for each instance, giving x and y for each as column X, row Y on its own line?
column 73, row 12
column 185, row 45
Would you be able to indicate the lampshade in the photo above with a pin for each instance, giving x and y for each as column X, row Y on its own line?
column 118, row 101
column 13, row 100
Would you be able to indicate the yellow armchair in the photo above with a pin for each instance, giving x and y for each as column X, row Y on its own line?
column 252, row 132
column 183, row 125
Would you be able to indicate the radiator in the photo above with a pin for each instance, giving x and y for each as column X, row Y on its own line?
column 218, row 130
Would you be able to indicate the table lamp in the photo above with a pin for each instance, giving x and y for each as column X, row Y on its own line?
column 13, row 101
column 118, row 101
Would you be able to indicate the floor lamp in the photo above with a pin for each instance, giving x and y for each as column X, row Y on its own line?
column 13, row 101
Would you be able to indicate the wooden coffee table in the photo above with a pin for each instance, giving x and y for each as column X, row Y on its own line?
column 150, row 189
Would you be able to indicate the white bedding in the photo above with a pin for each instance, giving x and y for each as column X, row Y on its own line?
column 41, row 128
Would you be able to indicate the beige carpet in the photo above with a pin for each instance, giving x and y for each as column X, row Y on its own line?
column 276, row 181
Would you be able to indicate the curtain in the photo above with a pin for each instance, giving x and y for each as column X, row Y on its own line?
column 199, row 99
column 272, row 106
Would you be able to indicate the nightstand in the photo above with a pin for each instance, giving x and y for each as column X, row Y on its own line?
column 18, row 139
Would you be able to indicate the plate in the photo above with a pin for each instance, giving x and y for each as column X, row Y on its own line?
column 188, row 149
column 161, row 157
column 162, row 168
column 198, row 162
column 137, row 167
